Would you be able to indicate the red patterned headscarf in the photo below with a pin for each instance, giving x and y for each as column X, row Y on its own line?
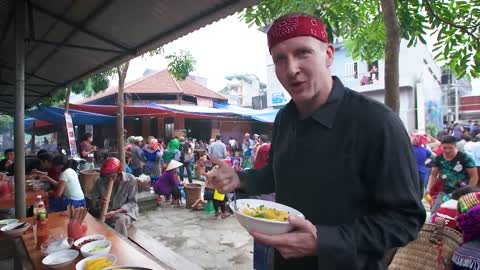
column 291, row 26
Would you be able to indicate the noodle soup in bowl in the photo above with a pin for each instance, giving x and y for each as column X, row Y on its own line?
column 264, row 216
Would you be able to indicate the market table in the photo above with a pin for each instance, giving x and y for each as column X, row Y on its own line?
column 8, row 200
column 126, row 253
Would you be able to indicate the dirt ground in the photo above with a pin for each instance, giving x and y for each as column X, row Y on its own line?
column 209, row 242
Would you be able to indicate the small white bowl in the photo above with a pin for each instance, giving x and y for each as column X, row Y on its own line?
column 60, row 259
column 5, row 222
column 94, row 237
column 265, row 226
column 50, row 247
column 86, row 250
column 7, row 230
column 81, row 264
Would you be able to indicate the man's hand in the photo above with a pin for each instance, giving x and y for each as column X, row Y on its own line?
column 224, row 178
column 301, row 242
column 110, row 214
column 46, row 178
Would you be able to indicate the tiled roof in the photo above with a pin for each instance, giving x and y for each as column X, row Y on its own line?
column 161, row 82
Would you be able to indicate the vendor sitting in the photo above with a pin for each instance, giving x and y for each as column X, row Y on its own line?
column 7, row 164
column 67, row 190
column 168, row 183
column 122, row 208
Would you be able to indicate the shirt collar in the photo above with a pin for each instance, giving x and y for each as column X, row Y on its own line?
column 325, row 115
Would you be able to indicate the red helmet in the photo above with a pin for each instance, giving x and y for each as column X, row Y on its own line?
column 110, row 165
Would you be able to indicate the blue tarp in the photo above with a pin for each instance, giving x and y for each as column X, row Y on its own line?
column 264, row 115
column 56, row 115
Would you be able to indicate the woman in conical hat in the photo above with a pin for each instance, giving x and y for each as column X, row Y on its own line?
column 168, row 183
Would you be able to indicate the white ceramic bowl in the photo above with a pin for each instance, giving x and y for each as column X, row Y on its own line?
column 81, row 264
column 265, row 226
column 86, row 250
column 60, row 259
column 7, row 230
column 94, row 237
column 50, row 247
column 5, row 222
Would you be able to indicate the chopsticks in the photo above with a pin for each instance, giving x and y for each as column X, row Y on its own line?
column 76, row 214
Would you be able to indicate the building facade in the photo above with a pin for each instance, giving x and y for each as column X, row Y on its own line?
column 420, row 91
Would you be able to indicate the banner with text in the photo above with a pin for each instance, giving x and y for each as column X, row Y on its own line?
column 71, row 135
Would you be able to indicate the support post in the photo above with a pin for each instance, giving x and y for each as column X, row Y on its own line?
column 20, row 208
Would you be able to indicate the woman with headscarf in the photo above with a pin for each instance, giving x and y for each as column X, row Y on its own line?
column 153, row 154
column 173, row 151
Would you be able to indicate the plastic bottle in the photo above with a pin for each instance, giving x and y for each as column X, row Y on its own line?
column 38, row 201
column 42, row 224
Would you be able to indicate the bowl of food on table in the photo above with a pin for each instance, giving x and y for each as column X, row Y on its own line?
column 96, row 262
column 127, row 268
column 60, row 259
column 88, row 239
column 264, row 216
column 54, row 245
column 5, row 222
column 15, row 229
column 99, row 247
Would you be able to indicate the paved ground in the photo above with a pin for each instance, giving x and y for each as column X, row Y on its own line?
column 200, row 238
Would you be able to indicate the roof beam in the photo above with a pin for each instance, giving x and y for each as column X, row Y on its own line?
column 90, row 48
column 81, row 27
column 92, row 15
column 31, row 25
column 30, row 74
column 3, row 35
column 2, row 82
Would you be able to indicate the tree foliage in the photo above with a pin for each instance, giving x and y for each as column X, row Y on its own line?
column 86, row 88
column 455, row 23
column 6, row 123
column 181, row 64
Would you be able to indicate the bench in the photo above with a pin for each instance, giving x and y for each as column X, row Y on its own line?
column 163, row 254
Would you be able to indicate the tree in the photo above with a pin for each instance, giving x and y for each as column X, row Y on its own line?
column 86, row 88
column 371, row 28
column 181, row 64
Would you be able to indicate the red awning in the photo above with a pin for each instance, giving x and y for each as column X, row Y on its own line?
column 146, row 111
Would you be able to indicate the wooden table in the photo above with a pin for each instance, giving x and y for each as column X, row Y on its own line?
column 8, row 201
column 126, row 253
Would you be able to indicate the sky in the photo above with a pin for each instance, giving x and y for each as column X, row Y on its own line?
column 224, row 48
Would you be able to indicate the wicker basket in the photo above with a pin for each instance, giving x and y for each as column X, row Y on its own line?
column 432, row 250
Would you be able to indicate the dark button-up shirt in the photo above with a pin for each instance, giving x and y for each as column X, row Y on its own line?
column 350, row 170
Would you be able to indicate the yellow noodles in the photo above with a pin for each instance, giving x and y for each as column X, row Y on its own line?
column 266, row 213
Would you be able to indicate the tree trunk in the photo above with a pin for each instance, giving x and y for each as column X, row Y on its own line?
column 392, row 51
column 122, row 73
column 67, row 99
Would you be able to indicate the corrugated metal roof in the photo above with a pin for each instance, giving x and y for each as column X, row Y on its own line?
column 71, row 40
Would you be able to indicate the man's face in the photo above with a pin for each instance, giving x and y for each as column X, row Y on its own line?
column 10, row 156
column 449, row 149
column 302, row 67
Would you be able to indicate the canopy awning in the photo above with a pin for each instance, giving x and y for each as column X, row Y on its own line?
column 56, row 115
column 71, row 40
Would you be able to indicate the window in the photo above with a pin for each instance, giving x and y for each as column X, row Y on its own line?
column 351, row 71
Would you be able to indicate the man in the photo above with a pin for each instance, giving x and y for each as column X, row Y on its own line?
column 359, row 191
column 451, row 170
column 7, row 164
column 87, row 151
column 186, row 157
column 138, row 159
column 123, row 208
column 218, row 149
